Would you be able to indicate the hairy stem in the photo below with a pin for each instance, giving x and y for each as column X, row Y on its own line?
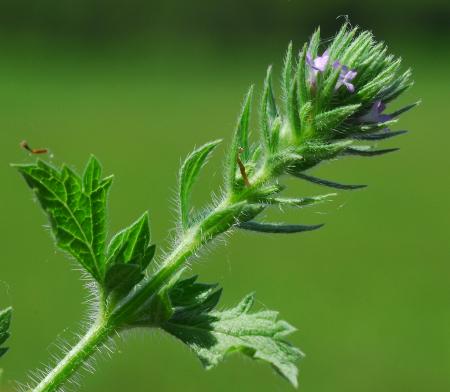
column 94, row 338
column 215, row 223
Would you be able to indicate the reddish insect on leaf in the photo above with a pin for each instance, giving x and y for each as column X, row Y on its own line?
column 24, row 145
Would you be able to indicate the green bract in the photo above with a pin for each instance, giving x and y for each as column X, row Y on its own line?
column 332, row 98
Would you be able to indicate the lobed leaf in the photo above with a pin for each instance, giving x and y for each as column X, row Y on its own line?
column 213, row 334
column 76, row 208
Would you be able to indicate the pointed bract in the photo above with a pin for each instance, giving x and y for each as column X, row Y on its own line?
column 277, row 228
column 188, row 175
column 240, row 140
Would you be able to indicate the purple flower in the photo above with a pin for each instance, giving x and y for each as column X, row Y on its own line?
column 375, row 114
column 317, row 65
column 346, row 76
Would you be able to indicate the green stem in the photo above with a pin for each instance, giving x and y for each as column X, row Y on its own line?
column 188, row 245
column 94, row 338
column 107, row 323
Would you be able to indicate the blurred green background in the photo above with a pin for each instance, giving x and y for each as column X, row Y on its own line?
column 139, row 83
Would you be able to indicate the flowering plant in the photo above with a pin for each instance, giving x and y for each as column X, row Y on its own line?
column 329, row 104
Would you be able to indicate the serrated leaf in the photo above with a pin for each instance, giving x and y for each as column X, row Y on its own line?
column 240, row 140
column 328, row 183
column 277, row 228
column 212, row 335
column 130, row 242
column 188, row 292
column 188, row 175
column 76, row 208
column 5, row 321
column 129, row 254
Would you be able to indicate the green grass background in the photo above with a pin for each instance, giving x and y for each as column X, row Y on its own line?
column 369, row 293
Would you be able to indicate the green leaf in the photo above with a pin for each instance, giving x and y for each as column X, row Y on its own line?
column 157, row 312
column 129, row 243
column 76, row 208
column 121, row 278
column 240, row 139
column 212, row 334
column 188, row 175
column 128, row 255
column 5, row 321
column 188, row 292
column 277, row 228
